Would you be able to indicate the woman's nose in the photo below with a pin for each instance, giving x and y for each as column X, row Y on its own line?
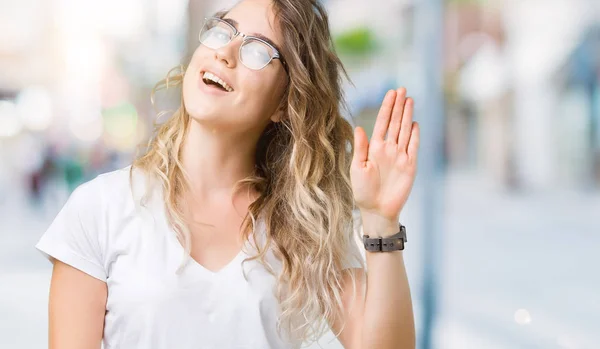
column 227, row 53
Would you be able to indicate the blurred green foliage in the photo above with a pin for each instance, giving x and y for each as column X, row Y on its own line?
column 358, row 41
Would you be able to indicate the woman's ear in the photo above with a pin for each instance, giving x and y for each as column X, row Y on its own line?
column 279, row 113
column 277, row 116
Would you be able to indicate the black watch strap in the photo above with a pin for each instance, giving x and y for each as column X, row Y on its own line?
column 391, row 243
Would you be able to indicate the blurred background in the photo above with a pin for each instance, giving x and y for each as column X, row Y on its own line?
column 504, row 219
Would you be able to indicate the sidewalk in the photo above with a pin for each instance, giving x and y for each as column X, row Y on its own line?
column 505, row 252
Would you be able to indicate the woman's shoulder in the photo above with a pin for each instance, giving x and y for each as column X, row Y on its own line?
column 106, row 183
column 113, row 186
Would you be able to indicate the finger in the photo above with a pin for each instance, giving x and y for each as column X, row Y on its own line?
column 397, row 114
column 361, row 146
column 383, row 117
column 413, row 144
column 406, row 129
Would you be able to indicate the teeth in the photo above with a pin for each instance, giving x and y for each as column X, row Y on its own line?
column 213, row 77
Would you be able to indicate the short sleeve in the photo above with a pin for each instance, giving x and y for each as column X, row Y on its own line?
column 72, row 237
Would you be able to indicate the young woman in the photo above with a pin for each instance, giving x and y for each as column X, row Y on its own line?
column 234, row 229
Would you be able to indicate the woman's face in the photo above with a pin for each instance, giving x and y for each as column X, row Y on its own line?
column 255, row 94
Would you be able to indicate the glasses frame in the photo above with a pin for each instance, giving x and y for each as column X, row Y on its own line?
column 245, row 38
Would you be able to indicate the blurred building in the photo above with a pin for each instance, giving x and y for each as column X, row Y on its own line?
column 76, row 79
column 515, row 113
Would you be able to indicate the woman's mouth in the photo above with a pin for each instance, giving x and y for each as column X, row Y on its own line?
column 213, row 82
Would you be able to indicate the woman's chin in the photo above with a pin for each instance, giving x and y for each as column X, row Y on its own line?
column 209, row 118
column 201, row 116
column 201, row 109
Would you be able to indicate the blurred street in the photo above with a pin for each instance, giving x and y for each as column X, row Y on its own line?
column 504, row 252
column 483, row 287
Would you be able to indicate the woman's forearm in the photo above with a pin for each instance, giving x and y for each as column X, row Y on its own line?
column 388, row 315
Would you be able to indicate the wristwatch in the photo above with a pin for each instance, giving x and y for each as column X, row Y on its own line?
column 391, row 243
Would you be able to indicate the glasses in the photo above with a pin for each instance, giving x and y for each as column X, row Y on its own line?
column 255, row 53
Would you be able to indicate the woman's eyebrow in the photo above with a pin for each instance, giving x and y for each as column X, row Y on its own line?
column 234, row 23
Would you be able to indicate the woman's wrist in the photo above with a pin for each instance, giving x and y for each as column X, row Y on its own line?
column 377, row 226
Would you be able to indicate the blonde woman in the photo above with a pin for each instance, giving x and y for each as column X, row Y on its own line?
column 234, row 229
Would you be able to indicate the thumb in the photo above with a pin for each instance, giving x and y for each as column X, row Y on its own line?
column 361, row 146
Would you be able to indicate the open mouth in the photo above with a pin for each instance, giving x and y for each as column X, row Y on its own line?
column 214, row 81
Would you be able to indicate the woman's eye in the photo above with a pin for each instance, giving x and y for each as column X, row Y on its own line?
column 258, row 52
column 219, row 34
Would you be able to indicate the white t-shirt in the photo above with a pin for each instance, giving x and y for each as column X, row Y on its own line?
column 103, row 231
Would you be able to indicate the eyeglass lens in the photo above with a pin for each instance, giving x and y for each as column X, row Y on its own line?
column 254, row 54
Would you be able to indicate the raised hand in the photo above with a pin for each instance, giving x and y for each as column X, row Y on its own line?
column 383, row 170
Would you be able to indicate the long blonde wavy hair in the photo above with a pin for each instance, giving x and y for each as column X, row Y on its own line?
column 301, row 174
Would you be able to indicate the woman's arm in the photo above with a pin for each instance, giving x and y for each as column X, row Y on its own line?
column 353, row 302
column 388, row 317
column 384, row 318
column 76, row 309
column 382, row 174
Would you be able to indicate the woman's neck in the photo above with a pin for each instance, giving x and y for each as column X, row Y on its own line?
column 215, row 161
